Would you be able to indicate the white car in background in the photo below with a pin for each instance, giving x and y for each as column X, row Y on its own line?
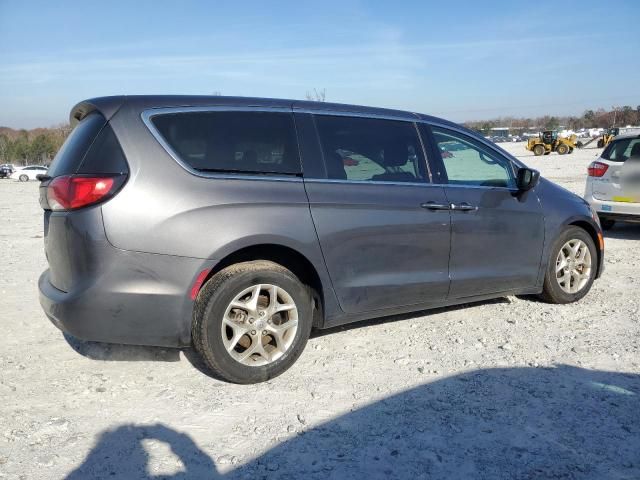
column 613, row 184
column 25, row 174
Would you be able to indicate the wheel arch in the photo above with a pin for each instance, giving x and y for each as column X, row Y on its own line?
column 593, row 233
column 289, row 258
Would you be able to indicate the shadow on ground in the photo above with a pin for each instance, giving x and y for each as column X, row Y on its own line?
column 118, row 352
column 515, row 423
column 624, row 231
column 405, row 316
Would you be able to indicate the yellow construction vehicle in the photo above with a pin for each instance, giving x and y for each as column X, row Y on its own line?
column 549, row 141
column 607, row 137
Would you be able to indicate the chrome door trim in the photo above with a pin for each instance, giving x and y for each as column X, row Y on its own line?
column 409, row 117
column 369, row 182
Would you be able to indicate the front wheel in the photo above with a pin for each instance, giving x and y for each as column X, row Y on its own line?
column 23, row 178
column 538, row 150
column 252, row 321
column 572, row 267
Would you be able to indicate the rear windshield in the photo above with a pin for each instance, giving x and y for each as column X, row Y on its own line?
column 75, row 147
column 240, row 142
column 622, row 149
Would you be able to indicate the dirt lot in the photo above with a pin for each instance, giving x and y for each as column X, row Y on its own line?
column 511, row 388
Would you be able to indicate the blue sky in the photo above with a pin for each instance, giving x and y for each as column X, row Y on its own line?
column 460, row 60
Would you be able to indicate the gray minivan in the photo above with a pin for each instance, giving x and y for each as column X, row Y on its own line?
column 237, row 225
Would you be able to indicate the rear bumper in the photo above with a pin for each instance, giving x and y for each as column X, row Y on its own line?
column 622, row 211
column 141, row 299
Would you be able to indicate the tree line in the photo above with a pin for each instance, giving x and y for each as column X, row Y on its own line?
column 37, row 146
column 600, row 118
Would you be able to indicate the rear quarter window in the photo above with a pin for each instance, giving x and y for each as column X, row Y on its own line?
column 235, row 142
column 622, row 149
column 105, row 155
column 75, row 147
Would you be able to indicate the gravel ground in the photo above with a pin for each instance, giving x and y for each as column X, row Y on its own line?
column 511, row 388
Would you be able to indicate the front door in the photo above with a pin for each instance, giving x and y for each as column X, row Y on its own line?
column 383, row 228
column 497, row 233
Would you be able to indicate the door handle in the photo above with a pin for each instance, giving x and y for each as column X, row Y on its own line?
column 463, row 207
column 436, row 206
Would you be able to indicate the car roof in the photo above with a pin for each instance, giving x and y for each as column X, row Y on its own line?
column 108, row 106
column 624, row 136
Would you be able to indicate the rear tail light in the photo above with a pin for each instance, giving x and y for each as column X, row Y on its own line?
column 597, row 169
column 71, row 192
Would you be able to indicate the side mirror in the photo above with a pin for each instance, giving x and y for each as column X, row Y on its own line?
column 527, row 179
column 42, row 177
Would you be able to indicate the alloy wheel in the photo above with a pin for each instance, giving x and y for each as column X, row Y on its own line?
column 573, row 266
column 259, row 325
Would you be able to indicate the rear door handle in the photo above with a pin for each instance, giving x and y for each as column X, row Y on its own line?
column 436, row 206
column 464, row 207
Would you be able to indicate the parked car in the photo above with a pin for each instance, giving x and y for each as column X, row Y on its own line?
column 30, row 172
column 6, row 170
column 168, row 222
column 613, row 184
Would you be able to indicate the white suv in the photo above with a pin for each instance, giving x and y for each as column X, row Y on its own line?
column 613, row 184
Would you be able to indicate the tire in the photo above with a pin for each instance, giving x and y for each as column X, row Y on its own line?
column 607, row 223
column 553, row 292
column 23, row 178
column 214, row 303
column 538, row 150
column 600, row 143
column 562, row 149
column 570, row 151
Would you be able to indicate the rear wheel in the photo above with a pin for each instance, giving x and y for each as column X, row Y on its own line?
column 562, row 149
column 572, row 267
column 23, row 178
column 538, row 150
column 252, row 321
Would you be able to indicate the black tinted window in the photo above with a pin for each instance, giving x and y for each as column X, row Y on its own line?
column 251, row 142
column 105, row 155
column 371, row 149
column 622, row 149
column 75, row 147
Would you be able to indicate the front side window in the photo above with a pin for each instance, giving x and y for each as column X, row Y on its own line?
column 468, row 162
column 367, row 149
column 235, row 142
